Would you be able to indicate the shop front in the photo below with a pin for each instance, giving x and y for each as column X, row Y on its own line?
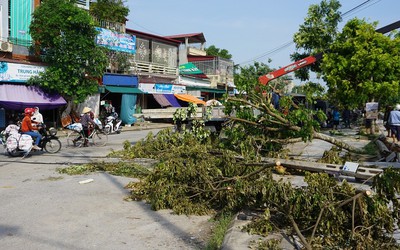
column 15, row 95
column 121, row 91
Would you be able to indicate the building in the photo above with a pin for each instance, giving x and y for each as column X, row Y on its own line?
column 144, row 70
column 18, row 64
column 218, row 71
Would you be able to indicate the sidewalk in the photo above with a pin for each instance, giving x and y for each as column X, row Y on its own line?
column 135, row 127
column 147, row 125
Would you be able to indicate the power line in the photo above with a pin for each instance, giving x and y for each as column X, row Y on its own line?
column 269, row 52
column 287, row 44
column 152, row 32
column 359, row 6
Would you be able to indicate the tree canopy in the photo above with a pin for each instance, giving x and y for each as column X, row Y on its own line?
column 315, row 35
column 247, row 78
column 363, row 65
column 65, row 36
column 110, row 10
column 214, row 51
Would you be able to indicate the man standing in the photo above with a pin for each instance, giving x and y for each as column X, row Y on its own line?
column 346, row 117
column 394, row 123
column 336, row 118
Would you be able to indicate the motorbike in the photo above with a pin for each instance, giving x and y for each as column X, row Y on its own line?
column 50, row 142
column 112, row 124
column 17, row 144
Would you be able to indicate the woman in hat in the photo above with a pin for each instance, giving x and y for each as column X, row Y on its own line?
column 87, row 123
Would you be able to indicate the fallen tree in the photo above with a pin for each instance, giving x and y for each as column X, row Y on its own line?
column 199, row 177
column 254, row 114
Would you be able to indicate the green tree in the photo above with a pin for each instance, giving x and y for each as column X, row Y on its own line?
column 214, row 51
column 247, row 78
column 256, row 121
column 65, row 36
column 110, row 10
column 315, row 35
column 363, row 65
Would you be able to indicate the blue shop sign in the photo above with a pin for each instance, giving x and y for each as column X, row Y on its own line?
column 120, row 80
column 163, row 88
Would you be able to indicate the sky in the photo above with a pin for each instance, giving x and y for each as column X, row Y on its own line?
column 252, row 30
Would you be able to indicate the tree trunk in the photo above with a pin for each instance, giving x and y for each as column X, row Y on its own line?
column 338, row 143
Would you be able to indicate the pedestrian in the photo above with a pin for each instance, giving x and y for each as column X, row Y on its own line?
column 336, row 118
column 346, row 117
column 386, row 120
column 27, row 128
column 394, row 123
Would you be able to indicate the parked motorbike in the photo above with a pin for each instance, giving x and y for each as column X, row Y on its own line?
column 112, row 124
column 17, row 144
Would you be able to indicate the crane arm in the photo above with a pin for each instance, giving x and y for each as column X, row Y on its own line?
column 289, row 68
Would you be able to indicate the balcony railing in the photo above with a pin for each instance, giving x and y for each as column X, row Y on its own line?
column 152, row 68
column 119, row 27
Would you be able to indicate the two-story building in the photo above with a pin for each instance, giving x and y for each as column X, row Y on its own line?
column 150, row 76
column 18, row 64
column 218, row 71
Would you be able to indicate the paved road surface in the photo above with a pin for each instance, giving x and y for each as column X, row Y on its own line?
column 42, row 209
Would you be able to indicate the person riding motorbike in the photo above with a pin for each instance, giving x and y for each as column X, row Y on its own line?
column 37, row 119
column 27, row 128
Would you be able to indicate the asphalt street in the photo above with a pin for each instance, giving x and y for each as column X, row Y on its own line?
column 43, row 209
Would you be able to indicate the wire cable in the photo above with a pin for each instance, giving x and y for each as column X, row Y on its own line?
column 275, row 50
column 287, row 44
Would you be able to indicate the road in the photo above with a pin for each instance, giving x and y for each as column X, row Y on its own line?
column 43, row 209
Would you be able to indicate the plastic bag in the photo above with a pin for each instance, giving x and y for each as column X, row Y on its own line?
column 75, row 126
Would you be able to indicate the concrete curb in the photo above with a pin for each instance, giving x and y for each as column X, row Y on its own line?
column 135, row 127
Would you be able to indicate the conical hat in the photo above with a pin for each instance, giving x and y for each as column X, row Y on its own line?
column 86, row 110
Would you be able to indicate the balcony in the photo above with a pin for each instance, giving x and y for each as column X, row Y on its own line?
column 192, row 51
column 152, row 68
column 115, row 26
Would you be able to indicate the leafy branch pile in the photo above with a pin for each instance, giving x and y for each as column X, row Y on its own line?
column 194, row 177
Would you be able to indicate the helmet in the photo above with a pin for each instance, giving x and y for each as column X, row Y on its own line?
column 397, row 107
column 29, row 111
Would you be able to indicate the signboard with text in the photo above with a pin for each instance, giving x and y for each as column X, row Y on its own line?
column 16, row 72
column 116, row 41
column 160, row 88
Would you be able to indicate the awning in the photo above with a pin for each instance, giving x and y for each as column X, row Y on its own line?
column 123, row 90
column 189, row 98
column 172, row 99
column 209, row 90
column 18, row 97
column 160, row 98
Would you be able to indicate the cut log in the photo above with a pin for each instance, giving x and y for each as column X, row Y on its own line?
column 362, row 171
column 382, row 147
